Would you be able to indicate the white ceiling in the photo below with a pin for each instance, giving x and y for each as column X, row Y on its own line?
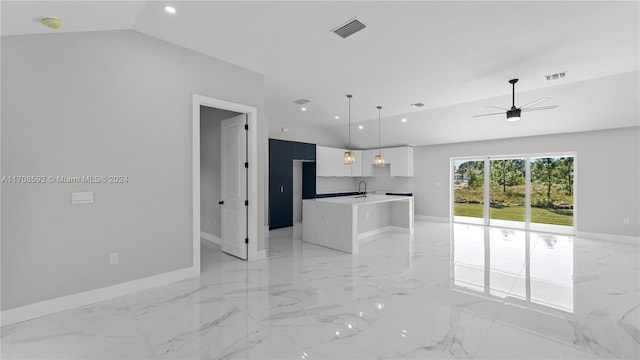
column 455, row 57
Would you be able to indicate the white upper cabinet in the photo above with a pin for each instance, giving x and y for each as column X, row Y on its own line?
column 323, row 161
column 389, row 155
column 368, row 159
column 356, row 168
column 402, row 161
column 340, row 168
column 330, row 162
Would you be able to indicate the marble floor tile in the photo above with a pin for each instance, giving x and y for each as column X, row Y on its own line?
column 446, row 291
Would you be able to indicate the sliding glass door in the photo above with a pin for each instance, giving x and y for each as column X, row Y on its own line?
column 468, row 191
column 552, row 183
column 507, row 192
column 522, row 192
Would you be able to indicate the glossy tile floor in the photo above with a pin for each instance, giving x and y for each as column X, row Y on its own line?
column 449, row 291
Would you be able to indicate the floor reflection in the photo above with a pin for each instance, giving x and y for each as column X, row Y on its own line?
column 448, row 291
column 529, row 268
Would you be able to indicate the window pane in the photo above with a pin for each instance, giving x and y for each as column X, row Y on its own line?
column 468, row 193
column 507, row 193
column 552, row 193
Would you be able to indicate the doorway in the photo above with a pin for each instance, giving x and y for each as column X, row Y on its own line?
column 241, row 143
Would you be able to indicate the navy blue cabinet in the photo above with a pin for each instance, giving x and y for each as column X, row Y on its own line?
column 310, row 154
column 280, row 183
column 281, row 156
column 298, row 150
column 309, row 180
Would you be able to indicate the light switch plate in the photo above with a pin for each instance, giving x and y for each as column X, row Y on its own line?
column 82, row 197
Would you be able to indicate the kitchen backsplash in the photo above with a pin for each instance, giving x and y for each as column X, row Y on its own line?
column 326, row 185
column 381, row 181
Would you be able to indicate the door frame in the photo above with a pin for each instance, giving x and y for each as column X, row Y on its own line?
column 252, row 186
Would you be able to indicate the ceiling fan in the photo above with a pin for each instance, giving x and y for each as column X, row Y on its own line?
column 513, row 114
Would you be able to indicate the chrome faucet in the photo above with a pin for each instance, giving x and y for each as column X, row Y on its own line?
column 365, row 188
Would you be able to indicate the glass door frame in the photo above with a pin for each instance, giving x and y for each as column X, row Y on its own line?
column 487, row 183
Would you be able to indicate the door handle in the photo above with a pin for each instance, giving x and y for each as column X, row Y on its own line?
column 281, row 188
column 220, row 202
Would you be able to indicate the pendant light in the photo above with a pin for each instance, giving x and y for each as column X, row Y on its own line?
column 379, row 161
column 349, row 156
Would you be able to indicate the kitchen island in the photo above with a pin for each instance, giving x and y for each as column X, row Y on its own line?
column 340, row 222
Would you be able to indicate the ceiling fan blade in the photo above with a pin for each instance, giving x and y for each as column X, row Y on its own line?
column 541, row 108
column 534, row 102
column 497, row 107
column 498, row 113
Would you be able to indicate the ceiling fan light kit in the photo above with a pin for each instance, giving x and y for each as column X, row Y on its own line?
column 513, row 114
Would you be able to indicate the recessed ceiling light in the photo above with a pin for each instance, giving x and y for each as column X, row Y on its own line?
column 170, row 9
column 304, row 109
column 360, row 127
column 404, row 119
column 337, row 117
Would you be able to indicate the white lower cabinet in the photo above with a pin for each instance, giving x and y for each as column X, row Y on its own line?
column 330, row 161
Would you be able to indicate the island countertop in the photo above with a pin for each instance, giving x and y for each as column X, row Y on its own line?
column 340, row 222
column 360, row 200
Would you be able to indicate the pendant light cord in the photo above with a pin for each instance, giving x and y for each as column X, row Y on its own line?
column 379, row 146
column 349, row 96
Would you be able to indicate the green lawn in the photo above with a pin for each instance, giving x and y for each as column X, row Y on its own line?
column 516, row 213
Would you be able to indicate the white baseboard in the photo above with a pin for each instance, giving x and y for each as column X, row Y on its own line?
column 625, row 239
column 380, row 231
column 214, row 239
column 261, row 254
column 68, row 302
column 432, row 218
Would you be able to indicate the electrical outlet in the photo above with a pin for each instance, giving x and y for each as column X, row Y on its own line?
column 625, row 221
column 367, row 214
column 114, row 258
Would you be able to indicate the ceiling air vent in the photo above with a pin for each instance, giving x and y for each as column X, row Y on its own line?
column 302, row 101
column 348, row 29
column 557, row 76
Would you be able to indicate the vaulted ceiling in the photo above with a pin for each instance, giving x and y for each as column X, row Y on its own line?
column 455, row 57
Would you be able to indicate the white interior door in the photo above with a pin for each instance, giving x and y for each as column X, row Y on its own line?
column 234, row 186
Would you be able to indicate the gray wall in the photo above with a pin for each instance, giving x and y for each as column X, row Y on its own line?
column 607, row 169
column 104, row 103
column 210, row 168
column 304, row 133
